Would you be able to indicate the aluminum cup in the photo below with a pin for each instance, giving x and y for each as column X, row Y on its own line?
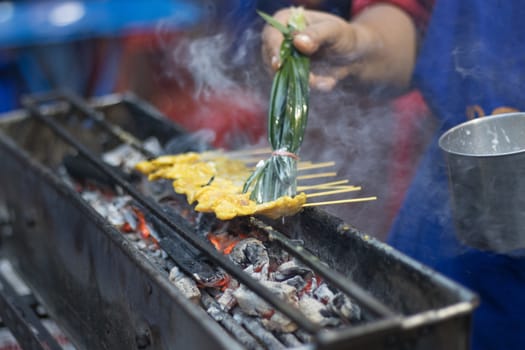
column 486, row 169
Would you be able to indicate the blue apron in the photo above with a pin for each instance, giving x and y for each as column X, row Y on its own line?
column 472, row 61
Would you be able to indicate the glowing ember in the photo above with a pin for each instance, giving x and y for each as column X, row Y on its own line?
column 222, row 283
column 141, row 224
column 225, row 242
column 126, row 228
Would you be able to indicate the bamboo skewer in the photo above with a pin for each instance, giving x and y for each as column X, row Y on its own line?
column 254, row 151
column 237, row 153
column 322, row 185
column 307, row 165
column 327, row 193
column 342, row 201
column 265, row 150
column 248, row 160
column 301, row 167
column 315, row 176
column 315, row 190
column 331, row 188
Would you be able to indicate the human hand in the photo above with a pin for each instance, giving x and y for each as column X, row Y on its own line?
column 368, row 48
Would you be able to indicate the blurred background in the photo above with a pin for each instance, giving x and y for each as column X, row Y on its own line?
column 149, row 47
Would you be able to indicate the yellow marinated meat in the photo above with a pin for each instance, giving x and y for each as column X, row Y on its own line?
column 216, row 183
column 201, row 173
column 283, row 206
column 147, row 167
column 226, row 205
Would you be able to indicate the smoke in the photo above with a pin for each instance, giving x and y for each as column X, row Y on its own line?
column 217, row 59
column 357, row 139
column 362, row 137
column 465, row 63
column 205, row 58
column 220, row 79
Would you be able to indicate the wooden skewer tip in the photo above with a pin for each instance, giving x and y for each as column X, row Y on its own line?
column 342, row 201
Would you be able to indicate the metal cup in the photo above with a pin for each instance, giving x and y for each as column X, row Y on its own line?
column 486, row 169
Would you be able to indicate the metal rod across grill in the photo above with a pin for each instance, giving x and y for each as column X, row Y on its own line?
column 366, row 301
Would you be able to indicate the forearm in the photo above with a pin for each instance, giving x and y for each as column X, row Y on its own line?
column 388, row 41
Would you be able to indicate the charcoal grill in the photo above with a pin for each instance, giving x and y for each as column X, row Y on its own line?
column 106, row 295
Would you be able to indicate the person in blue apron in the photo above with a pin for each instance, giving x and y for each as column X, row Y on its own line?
column 471, row 63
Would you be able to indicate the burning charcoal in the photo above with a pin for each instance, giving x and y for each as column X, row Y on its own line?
column 135, row 237
column 289, row 340
column 185, row 284
column 188, row 258
column 129, row 218
column 126, row 157
column 279, row 323
column 303, row 336
column 315, row 311
column 255, row 327
column 153, row 233
column 142, row 245
column 97, row 202
column 229, row 323
column 112, row 210
column 226, row 300
column 121, row 202
column 143, row 226
column 93, row 198
column 250, row 251
column 258, row 273
column 281, row 290
column 216, row 313
column 212, row 279
column 152, row 145
column 289, row 269
column 323, row 293
column 114, row 215
column 312, row 282
column 191, row 263
column 345, row 308
column 297, row 282
column 157, row 253
column 153, row 247
column 224, row 242
column 252, row 305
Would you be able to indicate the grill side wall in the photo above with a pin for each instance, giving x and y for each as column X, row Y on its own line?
column 90, row 280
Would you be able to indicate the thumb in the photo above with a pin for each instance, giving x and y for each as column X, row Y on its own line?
column 318, row 34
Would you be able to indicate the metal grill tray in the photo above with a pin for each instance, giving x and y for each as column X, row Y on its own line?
column 105, row 295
